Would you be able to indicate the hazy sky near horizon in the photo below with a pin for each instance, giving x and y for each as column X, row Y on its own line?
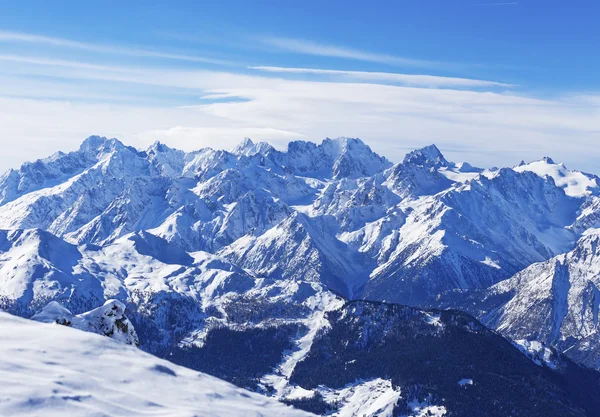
column 488, row 82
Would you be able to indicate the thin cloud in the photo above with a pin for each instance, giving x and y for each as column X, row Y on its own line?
column 61, row 63
column 408, row 79
column 109, row 49
column 319, row 49
column 491, row 124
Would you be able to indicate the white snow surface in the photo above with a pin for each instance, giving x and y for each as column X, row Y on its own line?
column 364, row 398
column 538, row 353
column 51, row 370
column 575, row 183
column 426, row 410
column 465, row 381
column 107, row 320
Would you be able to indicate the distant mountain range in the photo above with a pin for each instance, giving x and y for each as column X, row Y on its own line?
column 266, row 267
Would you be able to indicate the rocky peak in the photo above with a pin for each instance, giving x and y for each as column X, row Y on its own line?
column 427, row 156
column 97, row 145
column 109, row 320
column 249, row 148
column 165, row 160
column 548, row 160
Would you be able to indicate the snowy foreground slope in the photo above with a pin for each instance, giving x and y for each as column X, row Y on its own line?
column 49, row 370
column 235, row 263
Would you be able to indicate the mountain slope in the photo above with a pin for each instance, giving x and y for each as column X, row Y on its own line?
column 51, row 370
column 474, row 235
column 575, row 183
column 437, row 360
column 298, row 248
column 333, row 158
column 555, row 302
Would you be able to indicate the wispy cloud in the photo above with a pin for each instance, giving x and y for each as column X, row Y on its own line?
column 406, row 79
column 312, row 48
column 391, row 117
column 196, row 108
column 59, row 63
column 101, row 48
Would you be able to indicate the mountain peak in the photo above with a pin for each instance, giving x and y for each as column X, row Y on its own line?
column 574, row 183
column 96, row 144
column 245, row 143
column 431, row 151
column 343, row 141
column 93, row 142
column 343, row 144
column 467, row 167
column 245, row 146
column 429, row 155
column 249, row 148
column 158, row 147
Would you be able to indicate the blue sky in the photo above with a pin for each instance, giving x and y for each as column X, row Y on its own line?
column 491, row 82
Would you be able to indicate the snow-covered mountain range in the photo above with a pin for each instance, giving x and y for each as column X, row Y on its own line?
column 255, row 248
